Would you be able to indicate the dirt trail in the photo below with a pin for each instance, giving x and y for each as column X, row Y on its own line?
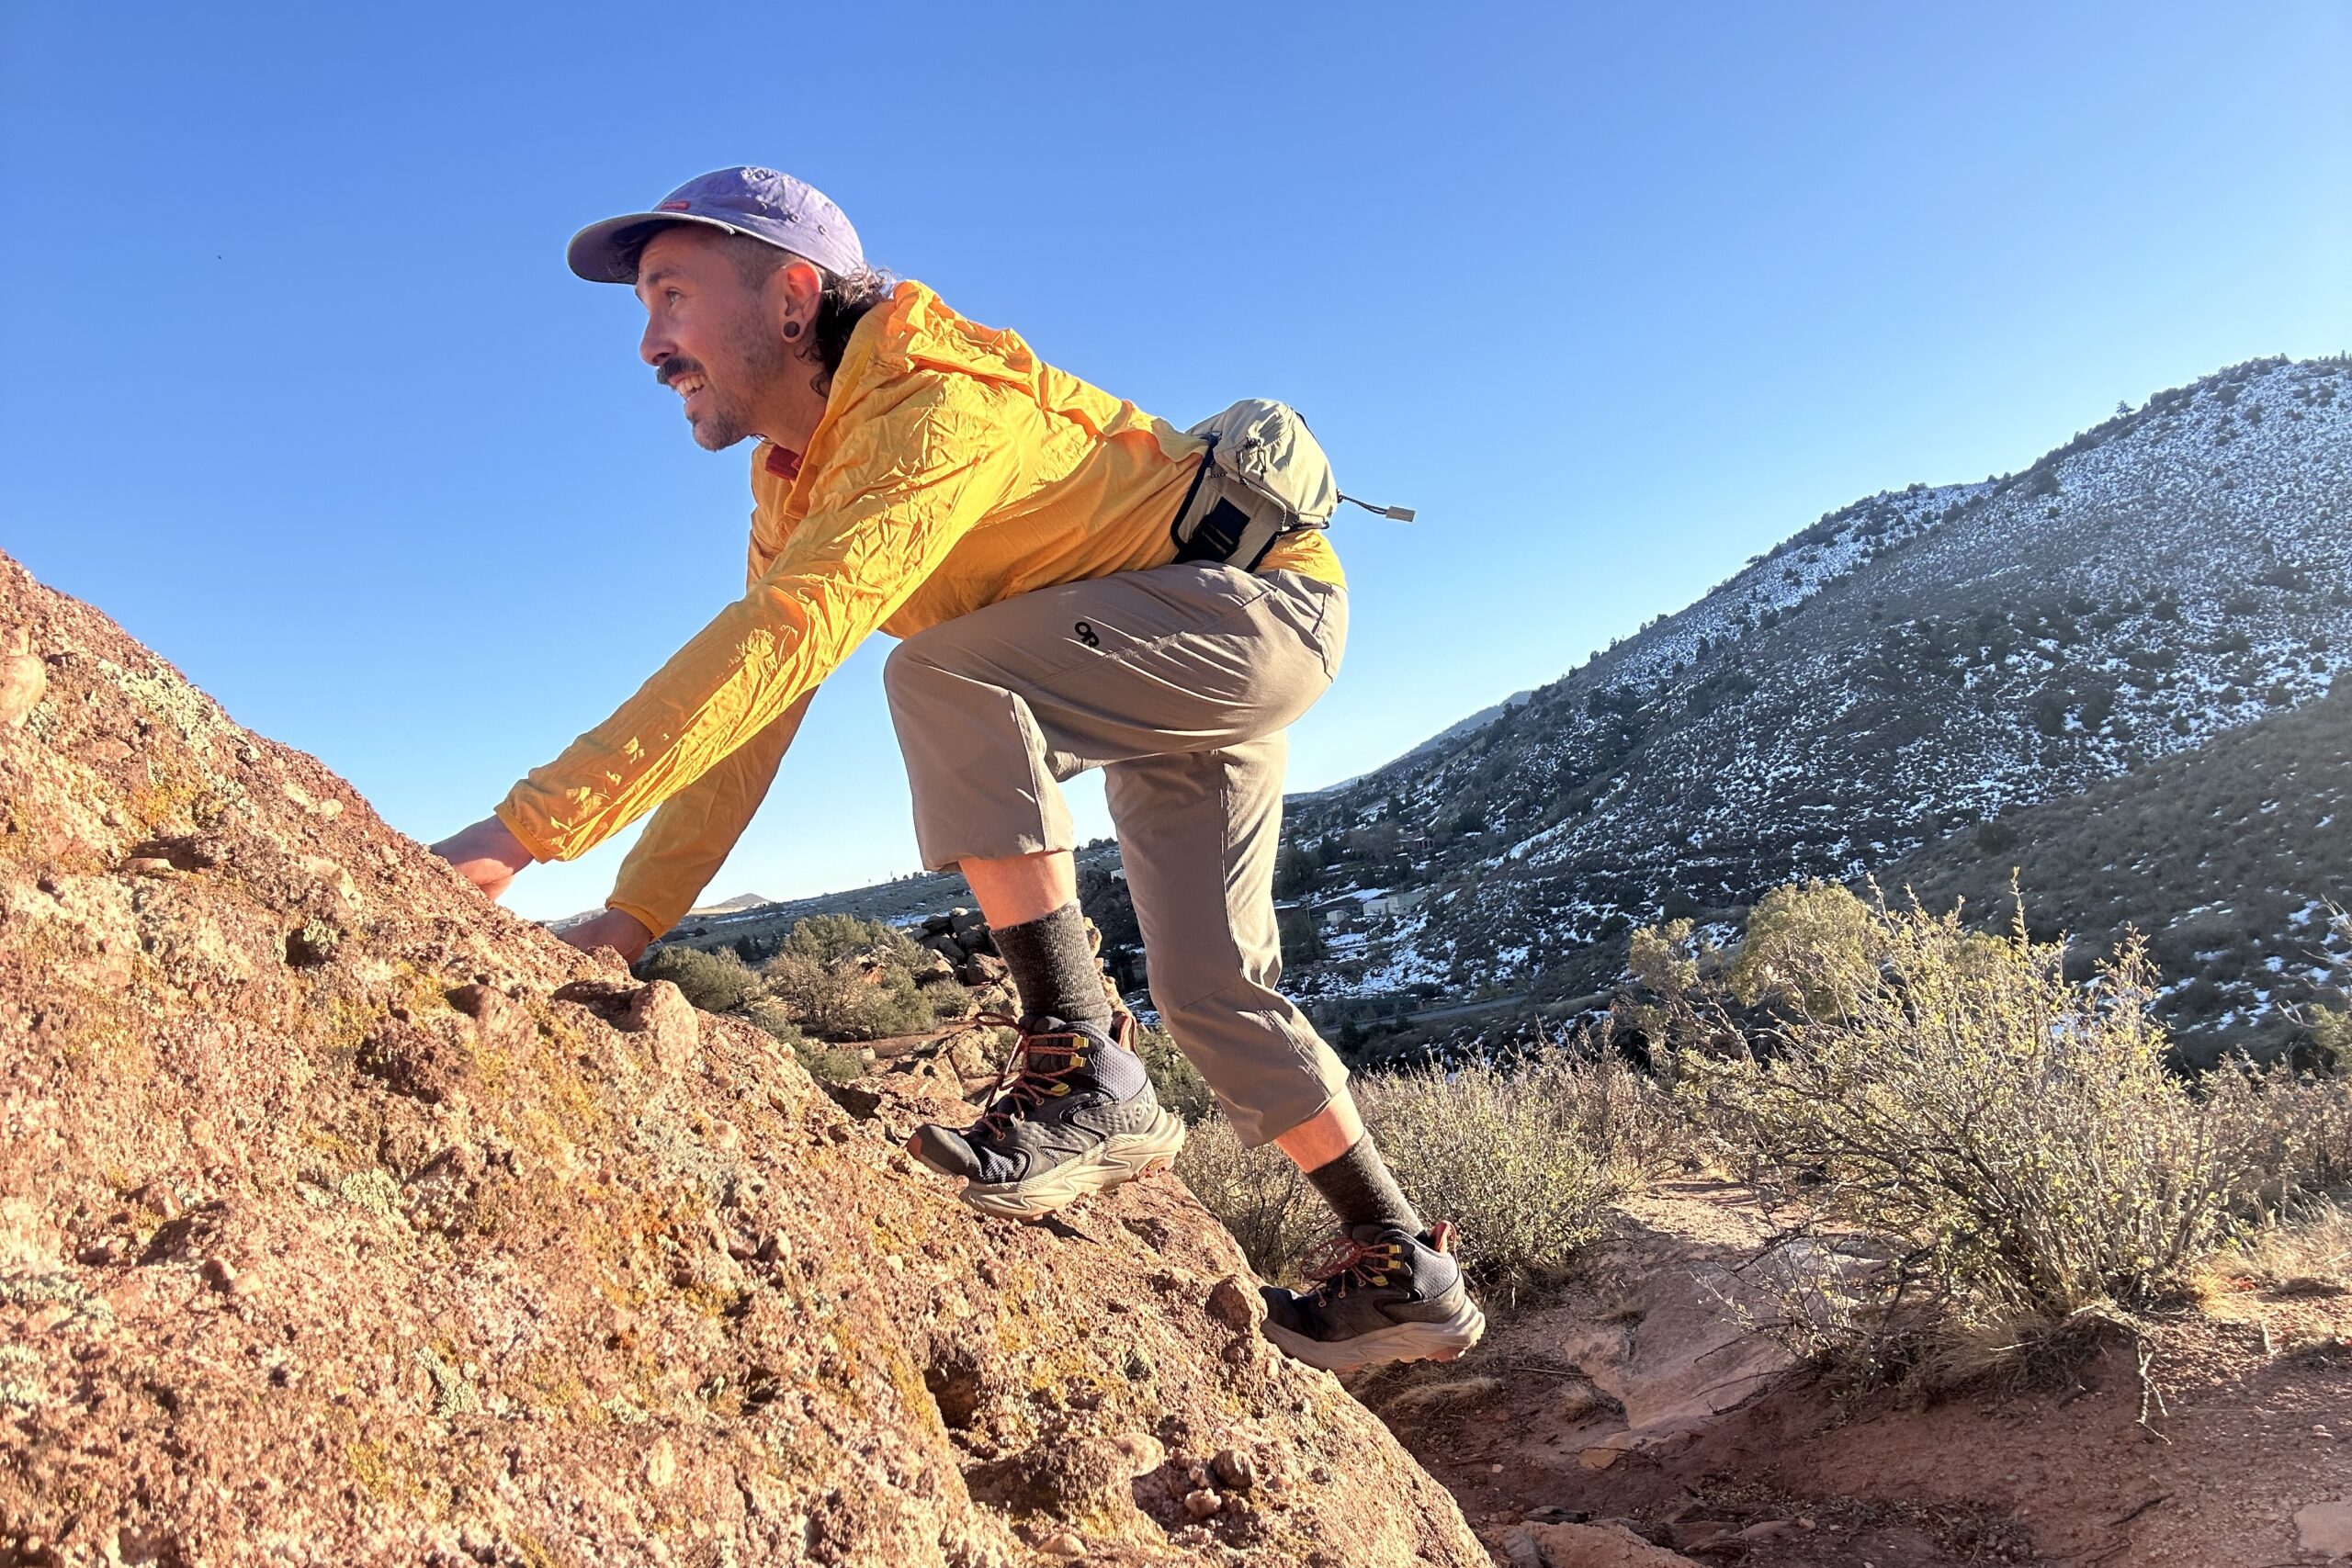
column 1638, row 1397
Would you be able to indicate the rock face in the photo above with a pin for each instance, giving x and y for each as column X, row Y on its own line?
column 346, row 1219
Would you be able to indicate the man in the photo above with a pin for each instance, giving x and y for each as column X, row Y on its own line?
column 922, row 475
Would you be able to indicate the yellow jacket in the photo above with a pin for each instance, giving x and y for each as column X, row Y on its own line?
column 952, row 468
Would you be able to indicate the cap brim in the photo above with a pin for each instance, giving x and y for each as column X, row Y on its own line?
column 606, row 251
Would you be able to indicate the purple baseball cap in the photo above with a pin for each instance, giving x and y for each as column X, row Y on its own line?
column 759, row 202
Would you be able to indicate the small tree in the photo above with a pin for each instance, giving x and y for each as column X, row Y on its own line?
column 1296, row 872
column 1302, row 937
column 843, row 978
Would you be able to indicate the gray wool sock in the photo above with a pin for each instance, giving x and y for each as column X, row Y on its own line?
column 1053, row 966
column 1360, row 1190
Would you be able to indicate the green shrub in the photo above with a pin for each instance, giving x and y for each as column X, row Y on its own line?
column 1813, row 949
column 845, row 999
column 723, row 984
column 776, row 1018
column 837, row 938
column 817, row 997
column 944, row 997
column 2332, row 1032
column 1296, row 872
column 838, row 977
column 1301, row 935
column 827, row 1064
column 715, row 982
column 897, row 1006
column 2011, row 1146
column 1995, row 838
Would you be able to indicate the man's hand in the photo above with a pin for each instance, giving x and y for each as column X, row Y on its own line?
column 623, row 932
column 487, row 855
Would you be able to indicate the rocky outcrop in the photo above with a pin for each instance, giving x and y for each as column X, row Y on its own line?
column 345, row 1219
column 961, row 940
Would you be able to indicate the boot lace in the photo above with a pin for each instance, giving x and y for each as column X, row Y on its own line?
column 1039, row 1070
column 1341, row 1263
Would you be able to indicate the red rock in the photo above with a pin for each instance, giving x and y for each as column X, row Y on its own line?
column 1233, row 1303
column 1599, row 1546
column 497, row 1280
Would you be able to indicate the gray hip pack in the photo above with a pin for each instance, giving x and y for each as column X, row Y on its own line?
column 1265, row 475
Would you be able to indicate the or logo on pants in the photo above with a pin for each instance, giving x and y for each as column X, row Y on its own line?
column 1085, row 630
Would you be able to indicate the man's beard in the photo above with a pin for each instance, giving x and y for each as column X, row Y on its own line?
column 757, row 358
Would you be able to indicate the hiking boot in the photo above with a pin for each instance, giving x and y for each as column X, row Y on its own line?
column 1073, row 1112
column 1380, row 1293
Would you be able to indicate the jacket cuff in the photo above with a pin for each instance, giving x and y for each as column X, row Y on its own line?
column 505, row 811
column 641, row 915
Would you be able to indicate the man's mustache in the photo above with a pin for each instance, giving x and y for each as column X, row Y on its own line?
column 677, row 364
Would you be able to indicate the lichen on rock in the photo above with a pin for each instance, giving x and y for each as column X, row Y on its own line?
column 345, row 1218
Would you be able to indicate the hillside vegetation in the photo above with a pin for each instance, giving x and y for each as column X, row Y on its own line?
column 1905, row 668
column 2228, row 859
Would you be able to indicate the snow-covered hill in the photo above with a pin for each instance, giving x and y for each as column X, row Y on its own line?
column 1909, row 665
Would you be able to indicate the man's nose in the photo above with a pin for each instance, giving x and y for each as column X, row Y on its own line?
column 655, row 347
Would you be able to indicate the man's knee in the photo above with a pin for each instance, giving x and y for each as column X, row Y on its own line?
column 903, row 672
column 917, row 688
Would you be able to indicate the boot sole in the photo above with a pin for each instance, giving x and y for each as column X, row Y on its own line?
column 1117, row 1160
column 1443, row 1339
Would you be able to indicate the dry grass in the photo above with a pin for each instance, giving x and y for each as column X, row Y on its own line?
column 715, row 982
column 1260, row 1195
column 1526, row 1162
column 2307, row 1254
column 1421, row 1398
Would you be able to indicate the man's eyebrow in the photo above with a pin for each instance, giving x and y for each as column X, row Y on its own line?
column 646, row 280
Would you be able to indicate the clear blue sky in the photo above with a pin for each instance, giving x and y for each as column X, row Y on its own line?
column 298, row 389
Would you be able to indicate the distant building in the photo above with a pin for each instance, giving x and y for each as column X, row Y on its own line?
column 1390, row 905
column 1339, row 914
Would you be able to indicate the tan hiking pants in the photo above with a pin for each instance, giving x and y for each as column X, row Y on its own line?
column 1177, row 683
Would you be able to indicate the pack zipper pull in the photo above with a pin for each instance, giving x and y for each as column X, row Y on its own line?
column 1393, row 514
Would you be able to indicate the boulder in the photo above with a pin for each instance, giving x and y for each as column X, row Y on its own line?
column 345, row 1218
column 1597, row 1546
column 2325, row 1527
column 980, row 969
